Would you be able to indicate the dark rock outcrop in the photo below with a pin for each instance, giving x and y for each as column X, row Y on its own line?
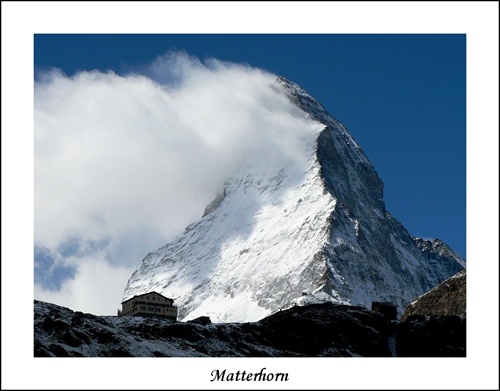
column 431, row 336
column 434, row 325
column 448, row 298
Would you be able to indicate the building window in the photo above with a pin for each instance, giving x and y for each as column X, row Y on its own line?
column 150, row 308
column 143, row 307
column 158, row 309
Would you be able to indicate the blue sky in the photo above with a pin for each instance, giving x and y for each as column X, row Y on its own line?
column 402, row 97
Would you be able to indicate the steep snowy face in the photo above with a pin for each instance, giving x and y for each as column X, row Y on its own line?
column 305, row 228
column 257, row 240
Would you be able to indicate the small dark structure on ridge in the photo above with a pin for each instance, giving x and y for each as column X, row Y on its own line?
column 386, row 308
column 201, row 320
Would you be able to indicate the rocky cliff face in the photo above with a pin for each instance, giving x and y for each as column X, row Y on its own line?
column 448, row 298
column 308, row 230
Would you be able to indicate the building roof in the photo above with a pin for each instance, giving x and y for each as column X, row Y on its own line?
column 148, row 293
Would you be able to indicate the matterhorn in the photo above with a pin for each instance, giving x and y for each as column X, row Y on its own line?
column 307, row 229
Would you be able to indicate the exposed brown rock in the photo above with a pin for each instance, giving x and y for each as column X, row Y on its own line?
column 448, row 298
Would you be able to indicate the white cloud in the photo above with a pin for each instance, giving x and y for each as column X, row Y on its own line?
column 124, row 163
column 97, row 287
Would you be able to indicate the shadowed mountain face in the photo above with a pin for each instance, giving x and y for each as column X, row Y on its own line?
column 308, row 230
column 316, row 330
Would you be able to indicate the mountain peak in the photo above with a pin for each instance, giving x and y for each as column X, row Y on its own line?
column 280, row 235
column 300, row 97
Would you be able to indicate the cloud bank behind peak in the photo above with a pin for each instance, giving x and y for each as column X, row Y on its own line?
column 124, row 162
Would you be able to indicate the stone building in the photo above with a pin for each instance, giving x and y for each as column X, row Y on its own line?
column 149, row 304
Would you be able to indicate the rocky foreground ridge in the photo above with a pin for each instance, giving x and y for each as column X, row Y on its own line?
column 316, row 330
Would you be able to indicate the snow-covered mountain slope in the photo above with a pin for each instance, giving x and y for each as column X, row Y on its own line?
column 309, row 228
